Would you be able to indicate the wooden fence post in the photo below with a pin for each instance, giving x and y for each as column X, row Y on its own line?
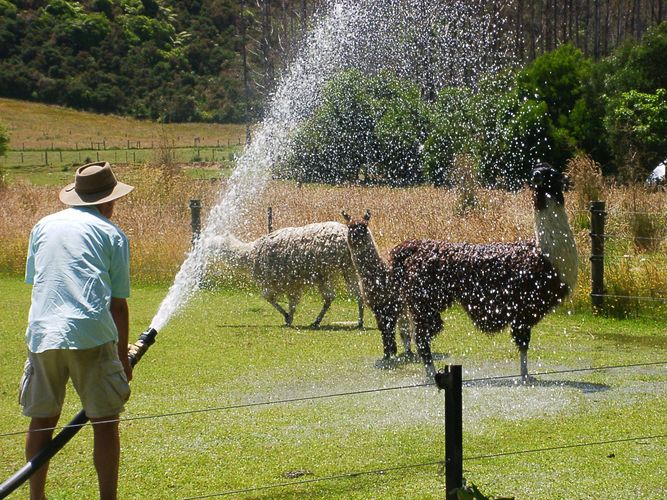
column 452, row 382
column 597, row 255
column 195, row 218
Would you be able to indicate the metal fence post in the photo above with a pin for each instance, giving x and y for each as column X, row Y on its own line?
column 597, row 255
column 452, row 382
column 195, row 215
column 269, row 219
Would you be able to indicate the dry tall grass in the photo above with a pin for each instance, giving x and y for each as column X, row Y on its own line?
column 156, row 217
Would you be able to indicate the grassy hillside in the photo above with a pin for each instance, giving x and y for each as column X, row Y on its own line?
column 40, row 126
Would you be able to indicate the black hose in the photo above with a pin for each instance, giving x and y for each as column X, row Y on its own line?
column 136, row 351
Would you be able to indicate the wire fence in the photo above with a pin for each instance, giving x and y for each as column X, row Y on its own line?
column 621, row 237
column 376, row 390
column 444, row 463
column 398, row 467
column 599, row 256
column 439, row 463
column 63, row 158
column 395, row 467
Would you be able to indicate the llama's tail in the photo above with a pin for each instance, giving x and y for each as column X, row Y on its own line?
column 398, row 257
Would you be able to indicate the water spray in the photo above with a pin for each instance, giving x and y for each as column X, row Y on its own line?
column 352, row 35
column 135, row 353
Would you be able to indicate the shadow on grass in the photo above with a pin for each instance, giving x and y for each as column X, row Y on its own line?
column 325, row 328
column 341, row 327
column 253, row 326
column 585, row 387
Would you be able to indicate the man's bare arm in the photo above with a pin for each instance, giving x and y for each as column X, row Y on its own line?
column 121, row 317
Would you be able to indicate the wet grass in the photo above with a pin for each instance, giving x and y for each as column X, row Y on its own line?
column 228, row 348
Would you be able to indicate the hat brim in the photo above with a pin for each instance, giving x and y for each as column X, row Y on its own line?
column 70, row 197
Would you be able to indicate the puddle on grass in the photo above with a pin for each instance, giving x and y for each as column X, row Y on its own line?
column 653, row 341
column 411, row 407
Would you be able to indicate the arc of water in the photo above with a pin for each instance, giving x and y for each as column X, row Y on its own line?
column 371, row 35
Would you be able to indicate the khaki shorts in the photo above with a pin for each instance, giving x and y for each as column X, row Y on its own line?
column 97, row 375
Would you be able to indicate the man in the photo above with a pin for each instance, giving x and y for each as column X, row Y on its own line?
column 78, row 264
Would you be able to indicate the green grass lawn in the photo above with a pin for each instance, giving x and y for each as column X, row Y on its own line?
column 228, row 348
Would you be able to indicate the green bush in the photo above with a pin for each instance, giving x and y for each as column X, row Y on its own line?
column 379, row 129
column 452, row 125
column 502, row 131
column 559, row 81
column 86, row 31
column 639, row 65
column 637, row 125
column 332, row 146
column 401, row 126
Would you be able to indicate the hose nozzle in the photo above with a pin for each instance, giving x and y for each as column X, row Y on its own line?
column 138, row 349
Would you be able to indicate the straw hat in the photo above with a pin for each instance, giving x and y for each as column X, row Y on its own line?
column 93, row 184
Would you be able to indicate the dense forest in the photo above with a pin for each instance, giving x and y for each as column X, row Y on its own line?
column 165, row 60
column 218, row 60
column 394, row 129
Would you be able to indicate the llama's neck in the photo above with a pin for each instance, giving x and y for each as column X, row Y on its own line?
column 232, row 251
column 556, row 241
column 367, row 261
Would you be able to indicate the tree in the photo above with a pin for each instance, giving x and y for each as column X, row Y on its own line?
column 627, row 86
column 637, row 124
column 368, row 128
column 640, row 66
column 559, row 79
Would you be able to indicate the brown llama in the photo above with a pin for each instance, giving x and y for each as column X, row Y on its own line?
column 379, row 289
column 498, row 284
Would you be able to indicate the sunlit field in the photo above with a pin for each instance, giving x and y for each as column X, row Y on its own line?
column 35, row 126
column 211, row 411
column 230, row 402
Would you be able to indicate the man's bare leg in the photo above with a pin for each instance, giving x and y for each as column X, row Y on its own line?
column 35, row 441
column 106, row 455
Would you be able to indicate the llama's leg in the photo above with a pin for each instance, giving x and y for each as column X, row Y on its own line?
column 293, row 301
column 328, row 294
column 521, row 336
column 387, row 324
column 427, row 325
column 404, row 328
column 360, row 307
column 271, row 299
column 353, row 288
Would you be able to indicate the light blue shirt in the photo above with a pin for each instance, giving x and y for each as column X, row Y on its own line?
column 77, row 260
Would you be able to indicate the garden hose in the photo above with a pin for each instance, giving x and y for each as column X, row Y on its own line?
column 135, row 353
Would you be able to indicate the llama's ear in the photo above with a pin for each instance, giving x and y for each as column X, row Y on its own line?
column 345, row 216
column 367, row 215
